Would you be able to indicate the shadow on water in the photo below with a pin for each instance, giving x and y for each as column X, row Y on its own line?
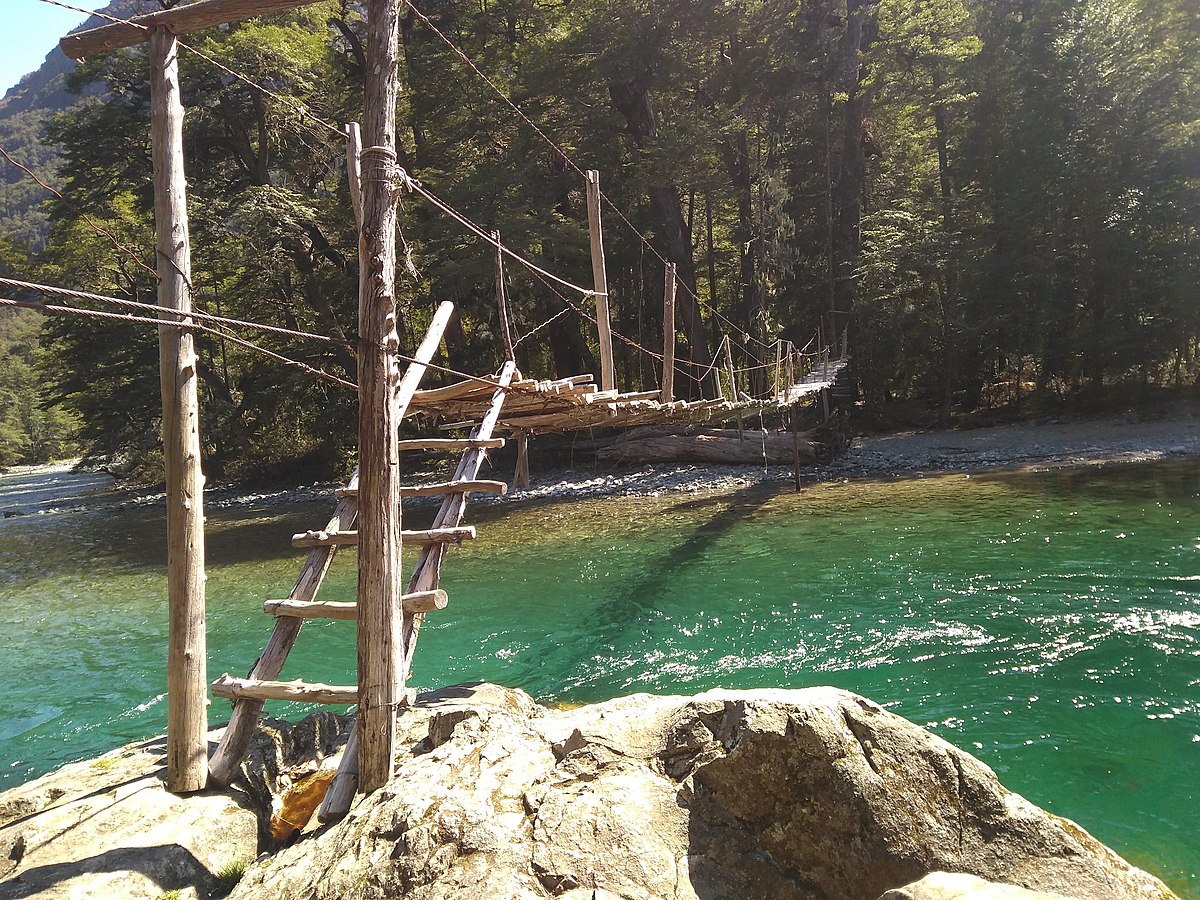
column 653, row 580
column 137, row 537
column 1174, row 480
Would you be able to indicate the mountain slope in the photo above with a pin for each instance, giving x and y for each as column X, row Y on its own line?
column 24, row 110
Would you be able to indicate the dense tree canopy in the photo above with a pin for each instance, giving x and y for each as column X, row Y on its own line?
column 986, row 198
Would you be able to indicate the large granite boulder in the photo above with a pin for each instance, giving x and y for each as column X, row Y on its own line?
column 813, row 793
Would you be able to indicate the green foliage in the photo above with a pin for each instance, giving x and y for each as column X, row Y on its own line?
column 1006, row 194
column 32, row 429
column 228, row 876
column 22, row 202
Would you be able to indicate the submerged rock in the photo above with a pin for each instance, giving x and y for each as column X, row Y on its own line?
column 814, row 793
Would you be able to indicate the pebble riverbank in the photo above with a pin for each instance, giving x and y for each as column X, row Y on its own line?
column 1030, row 445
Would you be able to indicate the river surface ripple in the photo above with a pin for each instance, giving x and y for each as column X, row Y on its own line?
column 1049, row 623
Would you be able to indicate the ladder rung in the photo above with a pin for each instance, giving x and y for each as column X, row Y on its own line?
column 444, row 487
column 458, row 444
column 410, row 538
column 420, row 602
column 252, row 689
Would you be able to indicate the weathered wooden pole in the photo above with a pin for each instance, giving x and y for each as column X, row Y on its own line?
column 733, row 389
column 717, row 369
column 380, row 578
column 502, row 301
column 668, row 377
column 521, row 473
column 600, row 282
column 778, row 366
column 187, row 682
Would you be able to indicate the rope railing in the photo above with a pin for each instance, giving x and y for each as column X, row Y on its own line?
column 681, row 367
column 129, row 318
column 566, row 157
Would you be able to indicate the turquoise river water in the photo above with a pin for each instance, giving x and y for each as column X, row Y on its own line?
column 1048, row 623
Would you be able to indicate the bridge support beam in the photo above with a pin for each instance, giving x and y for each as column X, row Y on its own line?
column 187, row 682
column 600, row 282
column 668, row 376
column 380, row 576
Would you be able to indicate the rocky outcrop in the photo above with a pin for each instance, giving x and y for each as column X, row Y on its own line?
column 107, row 828
column 814, row 793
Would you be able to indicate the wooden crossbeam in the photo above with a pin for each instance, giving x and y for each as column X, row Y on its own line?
column 455, row 445
column 178, row 20
column 410, row 538
column 252, row 689
column 440, row 488
column 420, row 602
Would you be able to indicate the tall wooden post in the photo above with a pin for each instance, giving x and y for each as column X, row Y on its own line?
column 733, row 388
column 187, row 682
column 521, row 473
column 668, row 378
column 600, row 282
column 380, row 578
column 502, row 301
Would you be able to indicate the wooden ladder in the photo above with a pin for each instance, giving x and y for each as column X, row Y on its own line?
column 249, row 694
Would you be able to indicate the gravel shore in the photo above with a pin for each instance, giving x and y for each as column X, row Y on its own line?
column 1029, row 445
column 1033, row 445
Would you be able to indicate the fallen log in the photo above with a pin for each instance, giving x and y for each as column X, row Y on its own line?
column 710, row 445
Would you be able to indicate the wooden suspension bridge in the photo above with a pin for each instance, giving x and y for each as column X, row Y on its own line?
column 389, row 607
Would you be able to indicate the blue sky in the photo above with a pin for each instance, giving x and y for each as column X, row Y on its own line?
column 30, row 31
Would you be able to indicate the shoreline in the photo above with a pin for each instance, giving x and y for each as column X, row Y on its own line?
column 1034, row 446
column 1028, row 446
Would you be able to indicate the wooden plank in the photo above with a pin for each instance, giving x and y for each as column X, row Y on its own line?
column 249, row 688
column 427, row 570
column 636, row 396
column 476, row 486
column 458, row 389
column 600, row 281
column 178, row 20
column 341, row 790
column 455, row 444
column 668, row 375
column 602, row 396
column 445, row 487
column 411, row 538
column 224, row 763
column 187, row 697
column 422, row 602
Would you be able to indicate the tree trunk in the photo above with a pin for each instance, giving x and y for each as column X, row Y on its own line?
column 861, row 31
column 707, row 445
column 952, row 330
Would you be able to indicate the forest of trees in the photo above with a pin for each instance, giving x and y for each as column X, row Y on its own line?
column 989, row 197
